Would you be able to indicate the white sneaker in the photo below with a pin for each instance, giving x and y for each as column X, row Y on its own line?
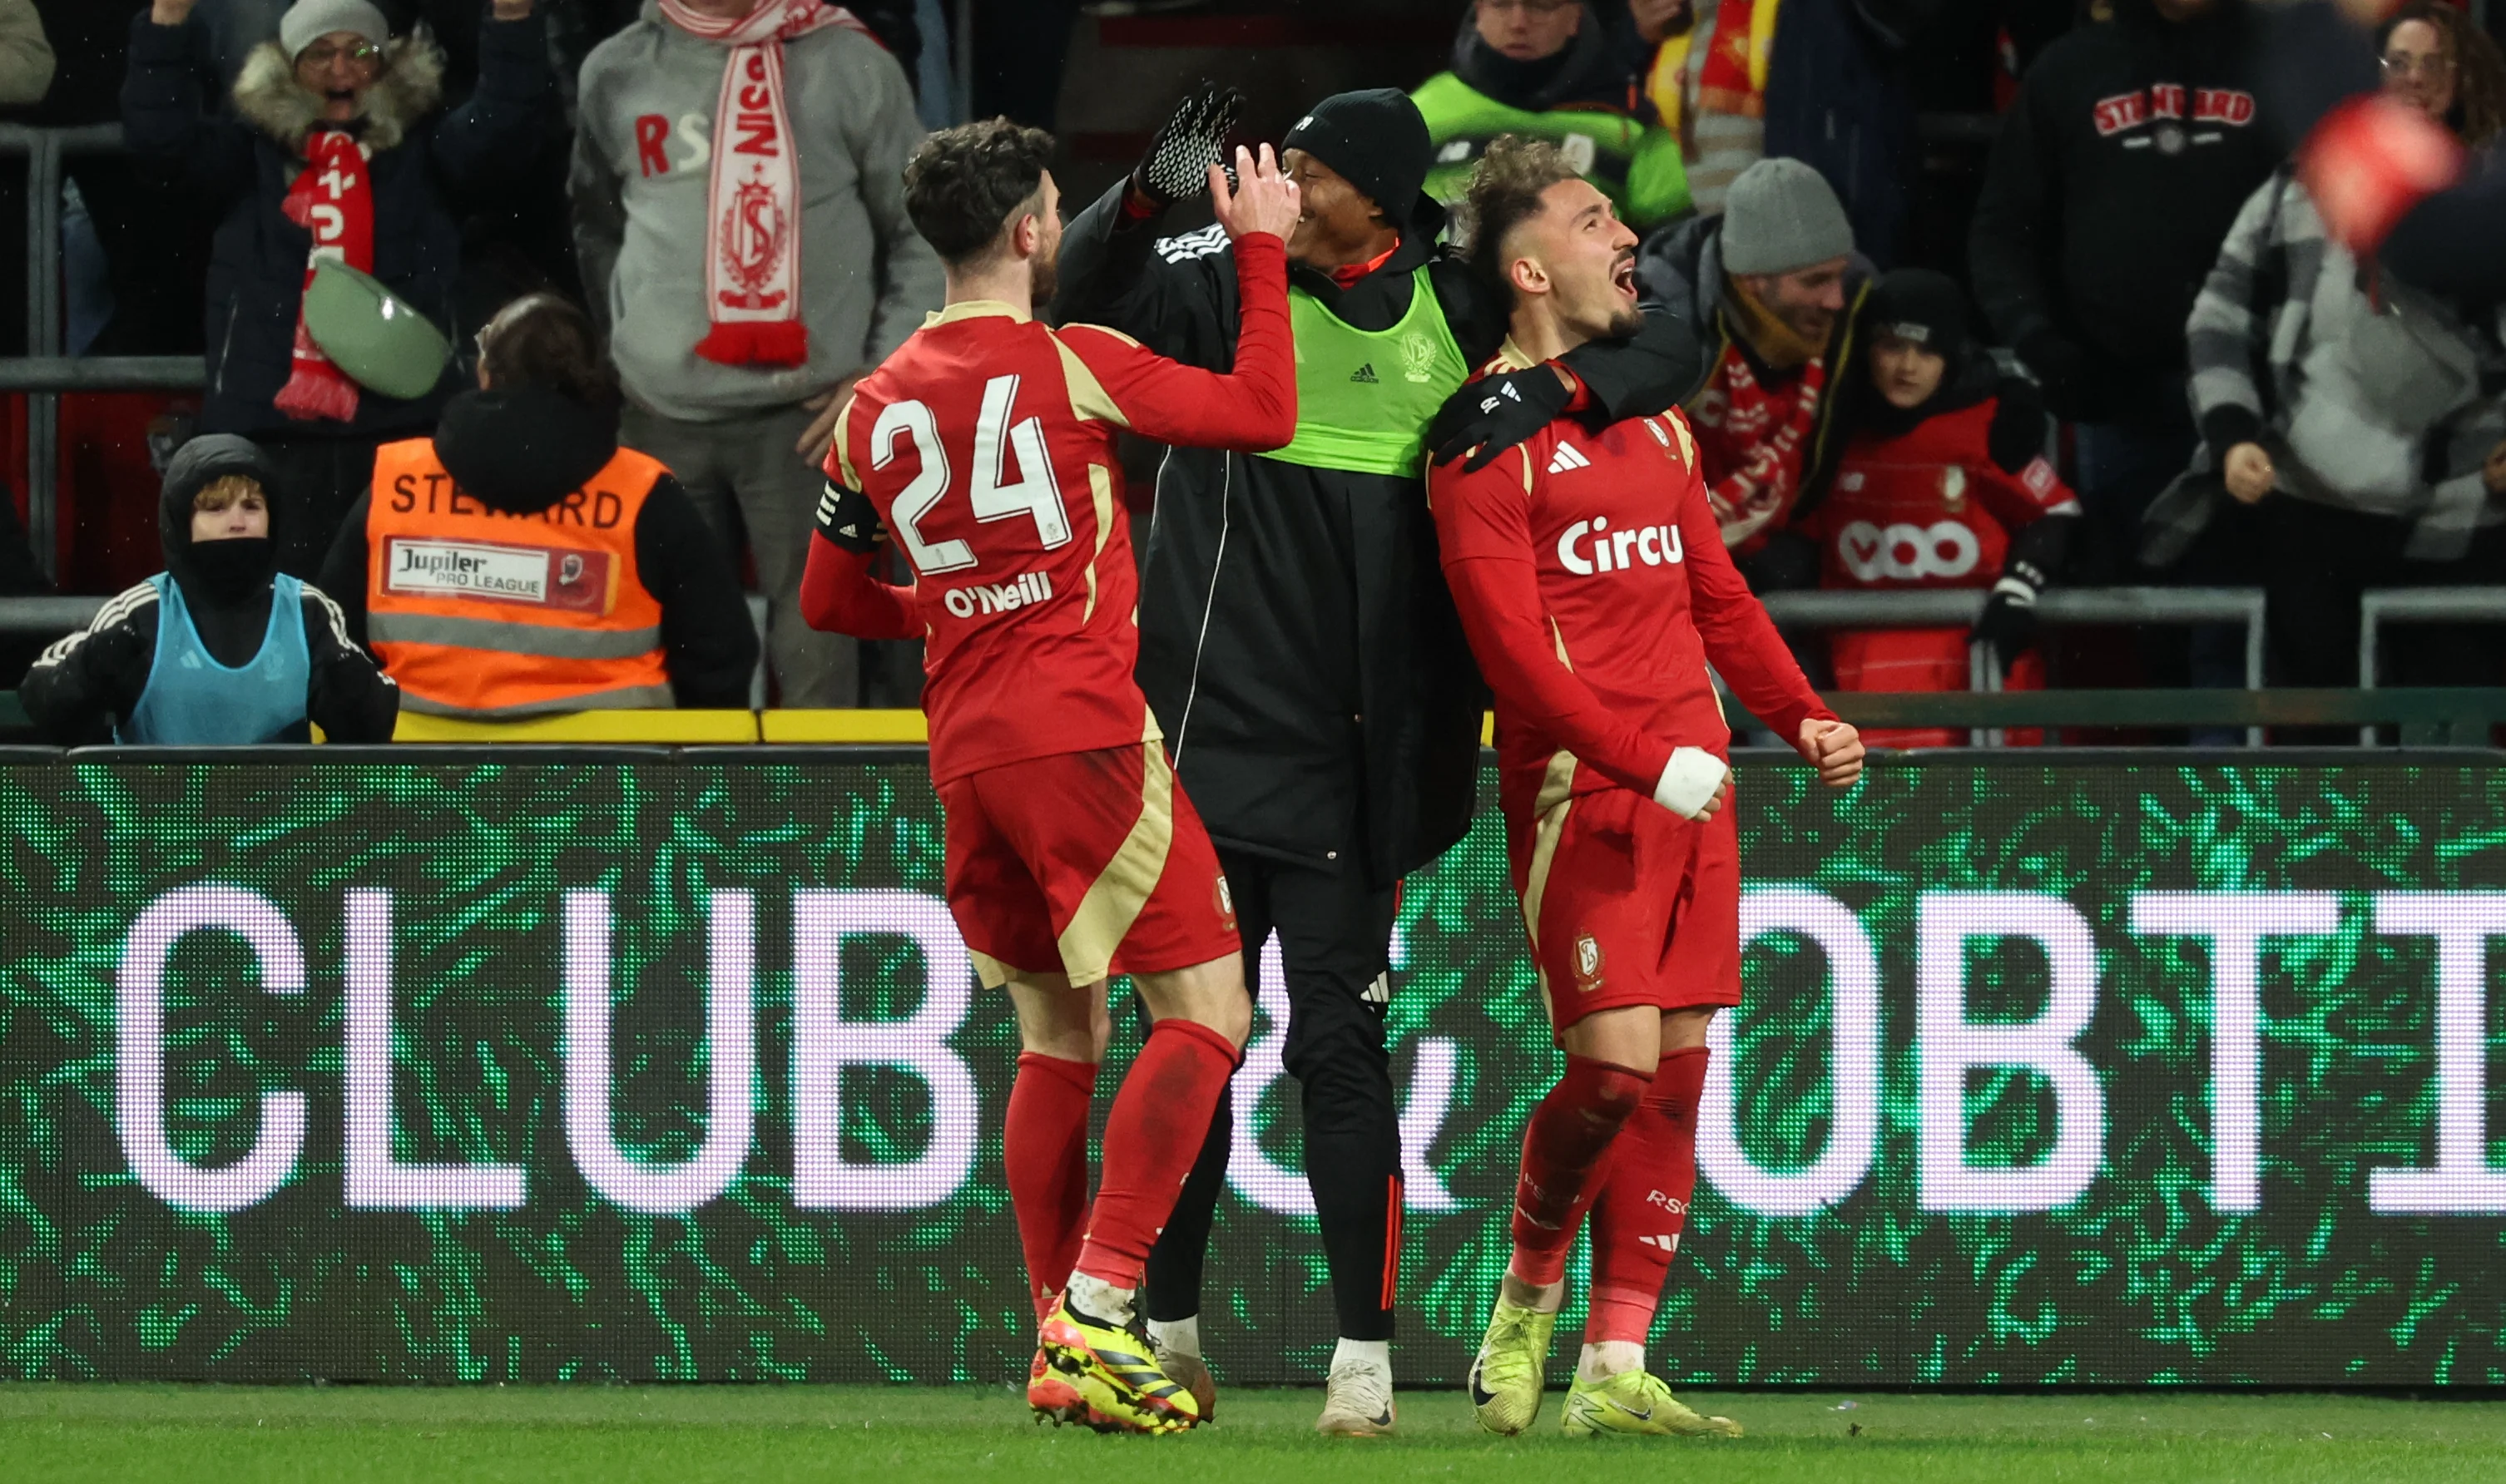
column 1191, row 1373
column 1357, row 1402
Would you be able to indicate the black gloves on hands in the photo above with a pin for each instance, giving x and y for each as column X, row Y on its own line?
column 1495, row 413
column 1192, row 138
column 2009, row 622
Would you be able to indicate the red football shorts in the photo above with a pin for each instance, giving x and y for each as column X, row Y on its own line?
column 1084, row 864
column 1628, row 904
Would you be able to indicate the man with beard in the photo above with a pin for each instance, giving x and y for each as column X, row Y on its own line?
column 985, row 445
column 1299, row 646
column 1589, row 570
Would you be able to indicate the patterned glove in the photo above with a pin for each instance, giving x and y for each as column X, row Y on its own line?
column 2009, row 622
column 1495, row 413
column 1192, row 138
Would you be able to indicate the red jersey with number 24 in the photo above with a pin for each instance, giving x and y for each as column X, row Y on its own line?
column 986, row 445
column 1590, row 574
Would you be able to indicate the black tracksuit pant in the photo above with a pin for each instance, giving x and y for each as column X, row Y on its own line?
column 1335, row 945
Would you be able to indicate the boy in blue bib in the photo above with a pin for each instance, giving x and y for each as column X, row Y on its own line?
column 221, row 649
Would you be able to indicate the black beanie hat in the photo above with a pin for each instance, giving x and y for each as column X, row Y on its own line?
column 1375, row 139
column 1923, row 307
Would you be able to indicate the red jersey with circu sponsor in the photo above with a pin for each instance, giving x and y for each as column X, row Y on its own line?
column 1592, row 581
column 1929, row 507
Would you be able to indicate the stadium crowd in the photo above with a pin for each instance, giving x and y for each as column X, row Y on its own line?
column 2145, row 362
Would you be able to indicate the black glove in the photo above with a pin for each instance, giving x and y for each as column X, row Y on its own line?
column 1192, row 138
column 1495, row 413
column 2061, row 368
column 2008, row 623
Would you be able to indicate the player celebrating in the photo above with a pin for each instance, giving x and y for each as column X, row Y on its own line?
column 1592, row 581
column 985, row 445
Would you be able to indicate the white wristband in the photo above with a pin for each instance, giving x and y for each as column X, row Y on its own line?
column 1689, row 781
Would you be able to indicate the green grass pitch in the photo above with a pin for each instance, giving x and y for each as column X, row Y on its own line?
column 628, row 1436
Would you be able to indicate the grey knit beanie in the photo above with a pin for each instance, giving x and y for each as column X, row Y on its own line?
column 1781, row 215
column 307, row 22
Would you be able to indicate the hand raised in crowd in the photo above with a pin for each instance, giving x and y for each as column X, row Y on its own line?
column 2247, row 470
column 827, row 406
column 1263, row 199
column 1653, row 19
column 1834, row 747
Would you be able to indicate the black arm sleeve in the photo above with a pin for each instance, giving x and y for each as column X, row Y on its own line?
column 2045, row 546
column 1644, row 374
column 2014, row 228
column 87, row 682
column 1179, row 303
column 707, row 640
column 343, row 570
column 347, row 697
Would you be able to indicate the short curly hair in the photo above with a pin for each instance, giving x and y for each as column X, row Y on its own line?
column 964, row 184
column 1505, row 190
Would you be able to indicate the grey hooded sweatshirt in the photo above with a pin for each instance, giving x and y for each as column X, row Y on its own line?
column 642, row 160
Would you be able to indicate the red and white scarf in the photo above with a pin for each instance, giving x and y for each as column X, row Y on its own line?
column 333, row 199
column 753, row 195
column 1752, row 438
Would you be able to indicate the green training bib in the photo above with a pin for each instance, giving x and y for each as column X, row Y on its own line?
column 1364, row 397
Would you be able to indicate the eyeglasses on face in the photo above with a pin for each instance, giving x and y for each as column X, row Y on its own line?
column 364, row 54
column 2426, row 64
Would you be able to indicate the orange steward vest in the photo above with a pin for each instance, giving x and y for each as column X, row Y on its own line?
column 484, row 615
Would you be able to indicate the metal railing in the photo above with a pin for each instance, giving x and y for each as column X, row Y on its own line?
column 2379, row 606
column 1949, row 608
column 44, row 372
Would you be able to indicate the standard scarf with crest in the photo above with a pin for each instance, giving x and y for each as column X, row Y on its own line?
column 753, row 195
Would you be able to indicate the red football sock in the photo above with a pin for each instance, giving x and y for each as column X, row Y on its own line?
column 1154, row 1133
column 1643, row 1203
column 1563, row 1153
column 1044, row 1146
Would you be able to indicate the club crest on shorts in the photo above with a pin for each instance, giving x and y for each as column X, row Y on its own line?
column 1588, row 963
column 1226, row 901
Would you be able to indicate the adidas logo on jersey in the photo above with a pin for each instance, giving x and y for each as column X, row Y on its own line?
column 1364, row 375
column 1567, row 457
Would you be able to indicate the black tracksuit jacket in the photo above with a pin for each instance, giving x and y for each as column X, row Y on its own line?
column 2117, row 173
column 1298, row 645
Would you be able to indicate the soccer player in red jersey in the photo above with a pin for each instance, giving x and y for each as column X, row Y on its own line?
column 985, row 446
column 1592, row 583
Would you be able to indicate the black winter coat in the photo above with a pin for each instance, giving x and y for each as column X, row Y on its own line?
column 1298, row 644
column 2117, row 173
column 225, row 164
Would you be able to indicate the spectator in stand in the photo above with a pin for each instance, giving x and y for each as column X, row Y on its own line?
column 334, row 131
column 1769, row 291
column 26, row 61
column 2115, row 176
column 1706, row 79
column 611, row 592
column 1946, row 482
column 221, row 649
column 1549, row 69
column 748, row 284
column 2358, row 413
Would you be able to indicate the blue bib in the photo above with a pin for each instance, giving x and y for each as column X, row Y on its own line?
column 194, row 701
